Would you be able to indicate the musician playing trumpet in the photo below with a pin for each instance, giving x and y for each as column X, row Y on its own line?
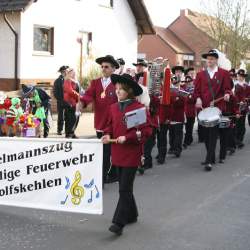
column 211, row 84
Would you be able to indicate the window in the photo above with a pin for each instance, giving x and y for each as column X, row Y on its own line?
column 106, row 3
column 43, row 40
column 86, row 40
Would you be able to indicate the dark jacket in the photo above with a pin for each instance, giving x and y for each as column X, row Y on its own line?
column 58, row 88
column 45, row 98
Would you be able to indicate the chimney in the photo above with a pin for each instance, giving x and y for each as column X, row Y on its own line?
column 184, row 12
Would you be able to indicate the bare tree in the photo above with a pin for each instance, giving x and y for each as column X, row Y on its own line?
column 228, row 23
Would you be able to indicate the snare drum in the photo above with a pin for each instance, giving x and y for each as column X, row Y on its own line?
column 209, row 117
column 224, row 122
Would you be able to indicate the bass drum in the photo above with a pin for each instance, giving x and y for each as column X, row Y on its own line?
column 209, row 117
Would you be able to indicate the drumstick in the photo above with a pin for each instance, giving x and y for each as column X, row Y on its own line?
column 112, row 140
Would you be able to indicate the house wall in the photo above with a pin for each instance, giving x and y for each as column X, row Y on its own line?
column 153, row 46
column 114, row 31
column 7, row 50
column 197, row 40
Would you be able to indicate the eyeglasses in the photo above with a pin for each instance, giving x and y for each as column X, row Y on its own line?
column 105, row 67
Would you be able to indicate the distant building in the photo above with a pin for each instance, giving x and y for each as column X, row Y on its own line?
column 47, row 34
column 183, row 41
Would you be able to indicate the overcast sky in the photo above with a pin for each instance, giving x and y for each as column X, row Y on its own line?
column 163, row 12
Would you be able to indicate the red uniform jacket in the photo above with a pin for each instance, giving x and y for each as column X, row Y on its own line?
column 127, row 154
column 221, row 85
column 101, row 105
column 177, row 103
column 241, row 94
column 190, row 109
column 164, row 113
column 70, row 94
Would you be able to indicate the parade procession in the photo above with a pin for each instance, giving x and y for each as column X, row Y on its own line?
column 120, row 133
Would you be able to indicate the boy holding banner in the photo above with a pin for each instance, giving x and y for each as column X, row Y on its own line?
column 129, row 125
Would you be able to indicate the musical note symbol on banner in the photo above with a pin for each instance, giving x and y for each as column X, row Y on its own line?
column 77, row 191
column 63, row 202
column 97, row 192
column 90, row 184
column 67, row 183
column 91, row 198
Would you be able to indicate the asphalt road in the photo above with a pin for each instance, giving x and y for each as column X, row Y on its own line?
column 181, row 208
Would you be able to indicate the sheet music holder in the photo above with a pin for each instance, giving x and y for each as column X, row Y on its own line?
column 136, row 117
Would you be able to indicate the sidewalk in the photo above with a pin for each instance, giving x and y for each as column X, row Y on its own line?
column 85, row 127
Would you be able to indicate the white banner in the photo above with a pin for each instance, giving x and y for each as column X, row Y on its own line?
column 54, row 174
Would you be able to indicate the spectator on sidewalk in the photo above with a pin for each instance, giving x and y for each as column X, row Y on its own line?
column 71, row 95
column 58, row 94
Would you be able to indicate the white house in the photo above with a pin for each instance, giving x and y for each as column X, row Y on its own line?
column 38, row 36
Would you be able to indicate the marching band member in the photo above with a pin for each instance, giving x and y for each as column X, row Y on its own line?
column 190, row 111
column 121, row 69
column 227, row 133
column 190, row 72
column 210, row 84
column 177, row 102
column 101, row 93
column 127, row 151
column 242, row 93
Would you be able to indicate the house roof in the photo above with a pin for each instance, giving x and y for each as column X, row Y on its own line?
column 14, row 5
column 202, row 21
column 172, row 40
column 138, row 8
column 143, row 20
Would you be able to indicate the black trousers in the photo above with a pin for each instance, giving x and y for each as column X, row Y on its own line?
column 176, row 137
column 224, row 142
column 240, row 129
column 201, row 135
column 71, row 121
column 211, row 135
column 106, row 165
column 126, row 210
column 162, row 140
column 189, row 126
column 60, row 118
column 232, row 138
column 148, row 147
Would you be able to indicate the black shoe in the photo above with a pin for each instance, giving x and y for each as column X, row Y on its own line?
column 161, row 160
column 141, row 170
column 231, row 151
column 241, row 145
column 208, row 167
column 177, row 154
column 221, row 161
column 185, row 146
column 148, row 165
column 170, row 151
column 157, row 157
column 75, row 137
column 203, row 163
column 59, row 133
column 116, row 229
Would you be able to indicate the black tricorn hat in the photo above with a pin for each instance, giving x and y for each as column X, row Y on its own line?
column 63, row 68
column 26, row 90
column 141, row 62
column 188, row 79
column 127, row 79
column 108, row 59
column 232, row 72
column 178, row 67
column 212, row 53
column 188, row 69
column 242, row 73
column 121, row 61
